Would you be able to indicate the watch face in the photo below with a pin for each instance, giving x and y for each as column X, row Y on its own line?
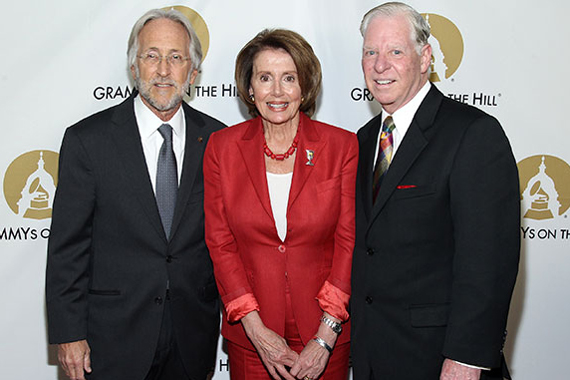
column 336, row 327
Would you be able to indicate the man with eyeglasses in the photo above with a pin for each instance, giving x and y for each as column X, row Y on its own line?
column 129, row 287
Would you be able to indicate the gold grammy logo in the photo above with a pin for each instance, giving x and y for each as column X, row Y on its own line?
column 447, row 47
column 545, row 187
column 198, row 24
column 30, row 182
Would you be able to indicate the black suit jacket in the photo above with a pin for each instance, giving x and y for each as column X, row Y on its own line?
column 109, row 258
column 437, row 255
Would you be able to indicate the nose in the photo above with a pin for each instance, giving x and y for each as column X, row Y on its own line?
column 163, row 67
column 277, row 88
column 381, row 64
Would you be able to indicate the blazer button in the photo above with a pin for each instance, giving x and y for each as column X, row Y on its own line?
column 158, row 300
column 370, row 251
column 368, row 300
column 169, row 258
column 281, row 248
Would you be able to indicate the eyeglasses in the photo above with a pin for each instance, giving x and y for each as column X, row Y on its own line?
column 153, row 59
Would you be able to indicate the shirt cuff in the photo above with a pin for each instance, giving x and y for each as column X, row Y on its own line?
column 334, row 301
column 473, row 366
column 240, row 307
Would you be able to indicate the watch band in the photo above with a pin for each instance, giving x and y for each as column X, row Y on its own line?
column 335, row 326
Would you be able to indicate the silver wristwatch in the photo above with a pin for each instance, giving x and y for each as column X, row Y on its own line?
column 335, row 326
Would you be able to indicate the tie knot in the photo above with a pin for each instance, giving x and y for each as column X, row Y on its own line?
column 387, row 127
column 166, row 132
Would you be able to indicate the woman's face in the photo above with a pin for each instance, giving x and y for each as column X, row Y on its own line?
column 275, row 87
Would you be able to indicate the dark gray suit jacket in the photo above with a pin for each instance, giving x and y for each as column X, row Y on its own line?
column 109, row 258
column 437, row 255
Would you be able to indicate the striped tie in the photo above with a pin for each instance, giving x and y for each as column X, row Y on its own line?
column 384, row 155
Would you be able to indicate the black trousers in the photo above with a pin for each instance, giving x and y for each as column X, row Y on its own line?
column 166, row 364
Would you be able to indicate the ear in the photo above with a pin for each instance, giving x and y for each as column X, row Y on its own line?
column 425, row 58
column 133, row 73
column 193, row 76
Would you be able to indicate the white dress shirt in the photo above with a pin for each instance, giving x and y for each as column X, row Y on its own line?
column 151, row 139
column 402, row 120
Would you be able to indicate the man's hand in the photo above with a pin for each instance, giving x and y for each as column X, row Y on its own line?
column 451, row 370
column 75, row 359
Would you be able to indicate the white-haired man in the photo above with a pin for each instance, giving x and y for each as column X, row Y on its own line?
column 437, row 227
column 130, row 288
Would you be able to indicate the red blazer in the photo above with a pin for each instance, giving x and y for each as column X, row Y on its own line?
column 249, row 257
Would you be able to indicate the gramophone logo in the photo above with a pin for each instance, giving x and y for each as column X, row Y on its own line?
column 198, row 24
column 30, row 182
column 447, row 47
column 545, row 187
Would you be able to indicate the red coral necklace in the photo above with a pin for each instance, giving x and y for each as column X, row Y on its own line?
column 287, row 154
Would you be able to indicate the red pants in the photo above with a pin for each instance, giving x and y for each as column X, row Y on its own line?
column 247, row 365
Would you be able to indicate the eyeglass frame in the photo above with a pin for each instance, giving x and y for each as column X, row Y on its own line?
column 169, row 59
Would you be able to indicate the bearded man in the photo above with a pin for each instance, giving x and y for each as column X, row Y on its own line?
column 129, row 286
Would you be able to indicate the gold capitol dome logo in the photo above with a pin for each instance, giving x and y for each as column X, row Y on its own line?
column 447, row 47
column 30, row 182
column 545, row 187
column 198, row 24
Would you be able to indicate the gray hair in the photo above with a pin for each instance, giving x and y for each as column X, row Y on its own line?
column 195, row 48
column 419, row 27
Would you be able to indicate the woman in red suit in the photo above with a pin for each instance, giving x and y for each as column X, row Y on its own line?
column 279, row 202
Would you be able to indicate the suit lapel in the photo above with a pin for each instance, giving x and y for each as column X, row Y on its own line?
column 192, row 164
column 413, row 144
column 127, row 138
column 367, row 161
column 309, row 140
column 251, row 148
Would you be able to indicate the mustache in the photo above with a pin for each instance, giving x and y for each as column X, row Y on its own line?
column 163, row 80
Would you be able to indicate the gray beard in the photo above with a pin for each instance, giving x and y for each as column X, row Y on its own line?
column 145, row 87
column 144, row 90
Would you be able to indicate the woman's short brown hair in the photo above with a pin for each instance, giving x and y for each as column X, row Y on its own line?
column 306, row 62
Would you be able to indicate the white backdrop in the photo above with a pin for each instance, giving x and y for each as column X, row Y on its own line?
column 67, row 59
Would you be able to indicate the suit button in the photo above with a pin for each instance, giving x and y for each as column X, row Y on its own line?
column 169, row 258
column 281, row 248
column 370, row 251
column 368, row 300
column 158, row 300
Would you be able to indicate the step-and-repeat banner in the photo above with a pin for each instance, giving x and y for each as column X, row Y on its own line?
column 64, row 60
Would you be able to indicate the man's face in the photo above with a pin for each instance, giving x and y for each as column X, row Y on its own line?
column 162, row 85
column 393, row 70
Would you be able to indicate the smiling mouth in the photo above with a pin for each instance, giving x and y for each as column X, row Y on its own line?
column 278, row 105
column 384, row 82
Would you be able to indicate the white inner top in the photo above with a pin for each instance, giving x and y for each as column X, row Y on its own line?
column 279, row 186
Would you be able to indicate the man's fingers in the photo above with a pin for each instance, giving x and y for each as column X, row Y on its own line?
column 87, row 362
column 75, row 372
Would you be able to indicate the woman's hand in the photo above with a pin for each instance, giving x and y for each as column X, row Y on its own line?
column 272, row 348
column 314, row 358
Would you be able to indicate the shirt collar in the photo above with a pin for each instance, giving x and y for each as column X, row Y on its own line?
column 403, row 117
column 149, row 123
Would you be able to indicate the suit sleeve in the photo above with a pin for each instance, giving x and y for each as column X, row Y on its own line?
column 485, row 206
column 335, row 293
column 235, row 291
column 69, row 246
